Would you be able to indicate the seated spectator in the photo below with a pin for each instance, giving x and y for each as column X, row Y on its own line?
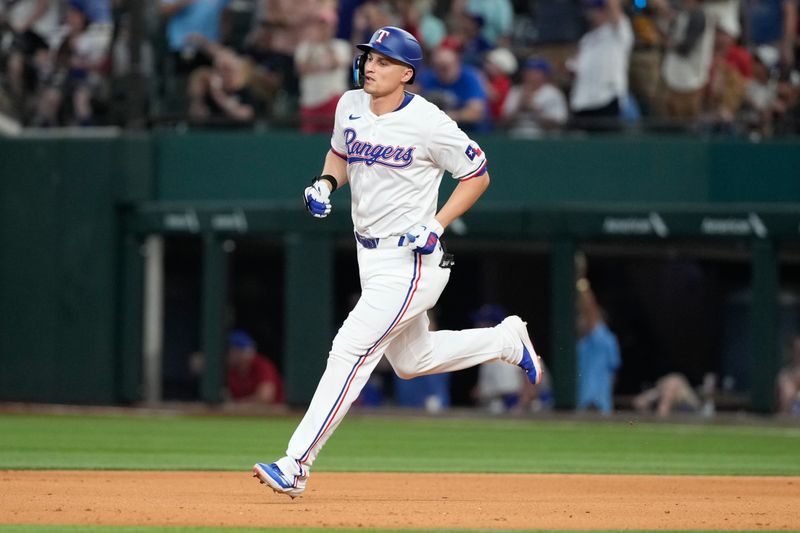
column 80, row 73
column 788, row 382
column 535, row 106
column 761, row 93
column 321, row 62
column 275, row 80
column 32, row 29
column 472, row 44
column 786, row 109
column 598, row 354
column 731, row 68
column 690, row 49
column 499, row 66
column 251, row 377
column 457, row 90
column 502, row 388
column 222, row 94
column 601, row 67
column 673, row 393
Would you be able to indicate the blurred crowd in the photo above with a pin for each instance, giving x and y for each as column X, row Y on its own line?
column 529, row 67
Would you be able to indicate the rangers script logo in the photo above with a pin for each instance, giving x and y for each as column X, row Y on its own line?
column 376, row 154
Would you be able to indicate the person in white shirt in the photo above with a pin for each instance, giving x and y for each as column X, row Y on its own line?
column 393, row 147
column 601, row 66
column 320, row 60
column 535, row 106
column 690, row 48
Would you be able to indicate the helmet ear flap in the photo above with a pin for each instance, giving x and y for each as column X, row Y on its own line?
column 358, row 70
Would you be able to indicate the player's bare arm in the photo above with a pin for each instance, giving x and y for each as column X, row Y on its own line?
column 337, row 167
column 462, row 199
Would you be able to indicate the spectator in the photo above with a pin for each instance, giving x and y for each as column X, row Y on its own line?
column 186, row 18
column 788, row 382
column 369, row 16
column 418, row 19
column 673, row 392
column 646, row 57
column 222, row 94
column 500, row 386
column 500, row 65
column 730, row 69
column 274, row 80
column 773, row 22
column 761, row 94
column 472, row 44
column 786, row 109
column 251, row 377
column 33, row 27
column 457, row 90
column 80, row 73
column 690, row 49
column 497, row 17
column 601, row 67
column 598, row 354
column 287, row 20
column 536, row 105
column 320, row 60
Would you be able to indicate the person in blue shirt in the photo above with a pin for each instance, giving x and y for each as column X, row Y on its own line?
column 598, row 355
column 186, row 20
column 457, row 89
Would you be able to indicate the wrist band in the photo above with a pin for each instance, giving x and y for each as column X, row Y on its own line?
column 330, row 179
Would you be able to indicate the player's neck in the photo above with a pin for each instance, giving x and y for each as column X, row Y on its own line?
column 380, row 105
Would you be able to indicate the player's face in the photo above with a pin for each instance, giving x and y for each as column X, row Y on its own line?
column 383, row 75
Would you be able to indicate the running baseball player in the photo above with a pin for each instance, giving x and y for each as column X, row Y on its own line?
column 393, row 148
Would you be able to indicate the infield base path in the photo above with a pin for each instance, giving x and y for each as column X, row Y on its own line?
column 395, row 500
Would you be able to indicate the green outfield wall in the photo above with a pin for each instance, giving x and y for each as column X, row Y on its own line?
column 73, row 212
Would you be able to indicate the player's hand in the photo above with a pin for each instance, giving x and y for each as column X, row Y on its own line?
column 316, row 197
column 424, row 237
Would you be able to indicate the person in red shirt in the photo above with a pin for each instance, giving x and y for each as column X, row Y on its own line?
column 251, row 376
column 499, row 66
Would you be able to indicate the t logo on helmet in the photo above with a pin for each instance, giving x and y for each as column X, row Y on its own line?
column 381, row 35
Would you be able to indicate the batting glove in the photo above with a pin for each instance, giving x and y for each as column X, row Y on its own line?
column 424, row 238
column 317, row 199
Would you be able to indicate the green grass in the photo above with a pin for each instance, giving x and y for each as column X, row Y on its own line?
column 398, row 444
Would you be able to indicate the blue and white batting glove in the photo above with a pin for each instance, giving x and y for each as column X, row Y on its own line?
column 317, row 199
column 424, row 238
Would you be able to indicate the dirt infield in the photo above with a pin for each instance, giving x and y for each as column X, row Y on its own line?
column 482, row 501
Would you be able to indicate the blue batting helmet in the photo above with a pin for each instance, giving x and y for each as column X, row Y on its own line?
column 392, row 42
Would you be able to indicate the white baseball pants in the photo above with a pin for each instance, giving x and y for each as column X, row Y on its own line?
column 398, row 287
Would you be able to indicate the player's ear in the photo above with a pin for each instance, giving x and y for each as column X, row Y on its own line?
column 407, row 75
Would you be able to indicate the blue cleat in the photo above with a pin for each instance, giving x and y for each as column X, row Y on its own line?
column 272, row 476
column 531, row 363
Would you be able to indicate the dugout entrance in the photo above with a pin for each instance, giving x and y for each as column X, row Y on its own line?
column 755, row 243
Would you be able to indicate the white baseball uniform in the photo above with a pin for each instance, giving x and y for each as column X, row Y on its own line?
column 395, row 163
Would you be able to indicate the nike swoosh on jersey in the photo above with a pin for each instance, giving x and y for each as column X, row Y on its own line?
column 355, row 117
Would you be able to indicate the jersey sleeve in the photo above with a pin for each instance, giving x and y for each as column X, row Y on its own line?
column 451, row 149
column 338, row 145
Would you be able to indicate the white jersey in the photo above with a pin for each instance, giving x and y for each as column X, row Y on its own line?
column 395, row 162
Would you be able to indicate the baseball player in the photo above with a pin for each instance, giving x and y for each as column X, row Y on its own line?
column 393, row 148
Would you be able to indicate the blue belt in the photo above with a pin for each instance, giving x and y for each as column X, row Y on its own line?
column 374, row 242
